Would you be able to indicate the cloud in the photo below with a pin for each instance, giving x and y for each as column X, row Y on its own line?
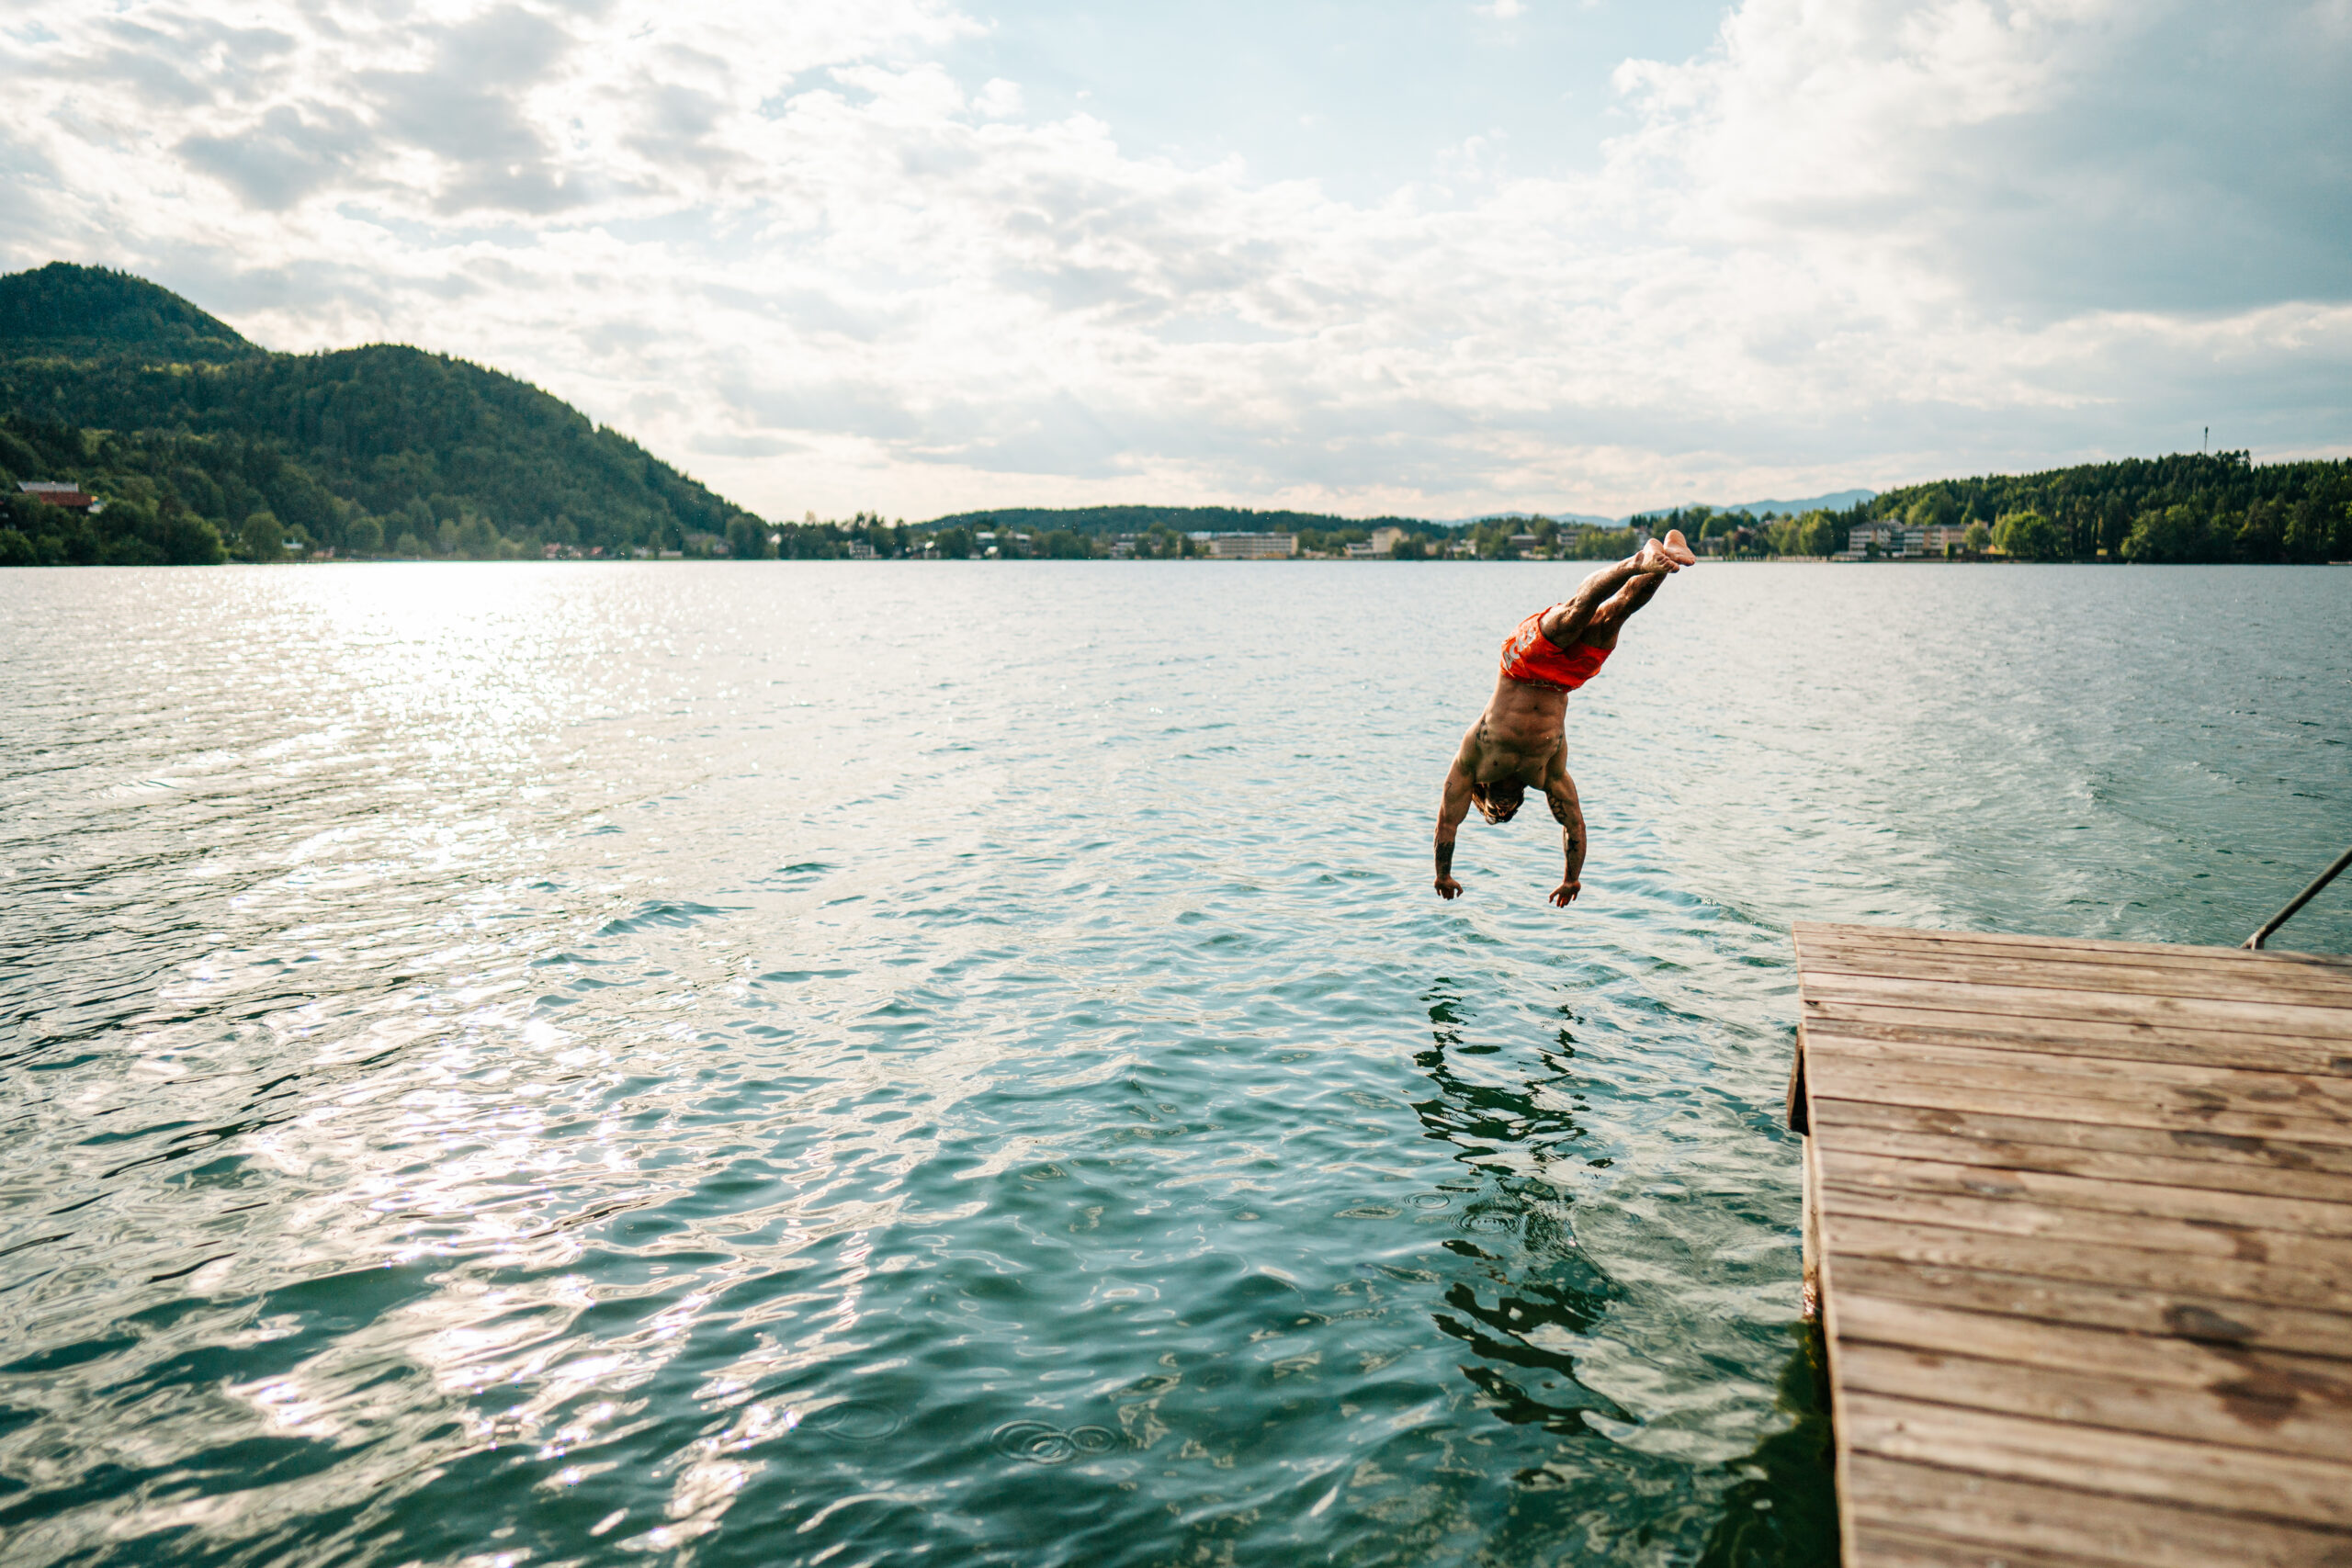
column 2051, row 155
column 282, row 155
column 1852, row 242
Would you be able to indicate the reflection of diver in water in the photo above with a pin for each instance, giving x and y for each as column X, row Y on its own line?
column 1521, row 740
column 1552, row 1289
column 1774, row 1504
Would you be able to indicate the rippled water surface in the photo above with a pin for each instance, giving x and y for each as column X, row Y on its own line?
column 869, row 1064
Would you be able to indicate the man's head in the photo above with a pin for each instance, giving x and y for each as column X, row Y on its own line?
column 1498, row 801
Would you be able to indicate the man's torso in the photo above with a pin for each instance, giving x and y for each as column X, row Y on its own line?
column 1521, row 735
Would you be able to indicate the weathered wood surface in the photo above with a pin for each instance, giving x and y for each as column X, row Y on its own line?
column 2078, row 1218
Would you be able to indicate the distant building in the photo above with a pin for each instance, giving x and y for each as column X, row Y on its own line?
column 860, row 550
column 1892, row 538
column 1253, row 547
column 58, row 494
column 1385, row 540
column 1363, row 552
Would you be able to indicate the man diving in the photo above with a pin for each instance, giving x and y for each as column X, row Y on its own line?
column 1520, row 739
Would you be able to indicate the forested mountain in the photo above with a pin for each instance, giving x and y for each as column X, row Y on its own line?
column 142, row 399
column 83, row 313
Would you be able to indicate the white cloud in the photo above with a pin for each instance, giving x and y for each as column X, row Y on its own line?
column 999, row 100
column 786, row 248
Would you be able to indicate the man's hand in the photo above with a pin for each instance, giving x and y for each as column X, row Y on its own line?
column 1566, row 894
column 1448, row 888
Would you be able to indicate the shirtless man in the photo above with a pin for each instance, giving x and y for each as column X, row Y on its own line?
column 1519, row 739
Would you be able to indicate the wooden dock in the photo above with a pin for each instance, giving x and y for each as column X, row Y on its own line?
column 2078, row 1218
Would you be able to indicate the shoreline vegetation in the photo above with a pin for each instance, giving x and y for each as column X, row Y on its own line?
column 136, row 430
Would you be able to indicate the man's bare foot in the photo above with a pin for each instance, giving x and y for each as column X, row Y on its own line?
column 1652, row 559
column 1678, row 549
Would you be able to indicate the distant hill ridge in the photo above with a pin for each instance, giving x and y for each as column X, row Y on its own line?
column 86, row 311
column 354, row 448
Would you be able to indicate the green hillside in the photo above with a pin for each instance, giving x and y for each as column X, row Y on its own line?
column 2214, row 508
column 2189, row 507
column 83, row 312
column 128, row 390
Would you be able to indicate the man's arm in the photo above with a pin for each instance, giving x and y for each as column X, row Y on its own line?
column 1561, row 791
column 1453, row 805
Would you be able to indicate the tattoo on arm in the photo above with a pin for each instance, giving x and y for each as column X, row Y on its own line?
column 1571, row 822
column 1445, row 857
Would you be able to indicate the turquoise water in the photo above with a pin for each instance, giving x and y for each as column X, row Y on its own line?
column 878, row 1063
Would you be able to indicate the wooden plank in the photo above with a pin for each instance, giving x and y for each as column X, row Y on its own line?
column 2319, row 1269
column 1796, row 1115
column 2235, row 1479
column 1809, row 1297
column 2297, row 1021
column 2176, row 1274
column 2272, row 1377
column 2252, row 984
column 2197, row 1206
column 2093, row 1303
column 2227, row 1416
column 2248, row 1052
column 2288, row 1094
column 1884, row 1547
column 2161, row 1110
column 2170, row 1159
column 2193, row 965
column 1807, row 931
column 2185, row 1097
column 2139, row 1040
column 2318, row 969
column 1993, row 1512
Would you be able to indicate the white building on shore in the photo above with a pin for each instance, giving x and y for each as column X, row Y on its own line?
column 1249, row 547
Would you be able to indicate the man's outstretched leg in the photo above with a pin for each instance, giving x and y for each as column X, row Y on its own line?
column 1595, row 612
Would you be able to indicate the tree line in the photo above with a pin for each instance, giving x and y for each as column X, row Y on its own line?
column 2193, row 508
column 2215, row 507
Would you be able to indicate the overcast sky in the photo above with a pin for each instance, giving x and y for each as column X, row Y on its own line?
column 1440, row 257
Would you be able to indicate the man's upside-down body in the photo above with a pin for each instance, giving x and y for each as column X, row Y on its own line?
column 1521, row 740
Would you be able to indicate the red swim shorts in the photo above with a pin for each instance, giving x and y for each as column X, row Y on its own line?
column 1531, row 657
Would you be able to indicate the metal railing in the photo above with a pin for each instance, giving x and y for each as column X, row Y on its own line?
column 2299, row 899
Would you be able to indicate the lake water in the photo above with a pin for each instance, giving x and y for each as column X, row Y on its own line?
column 792, row 1064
